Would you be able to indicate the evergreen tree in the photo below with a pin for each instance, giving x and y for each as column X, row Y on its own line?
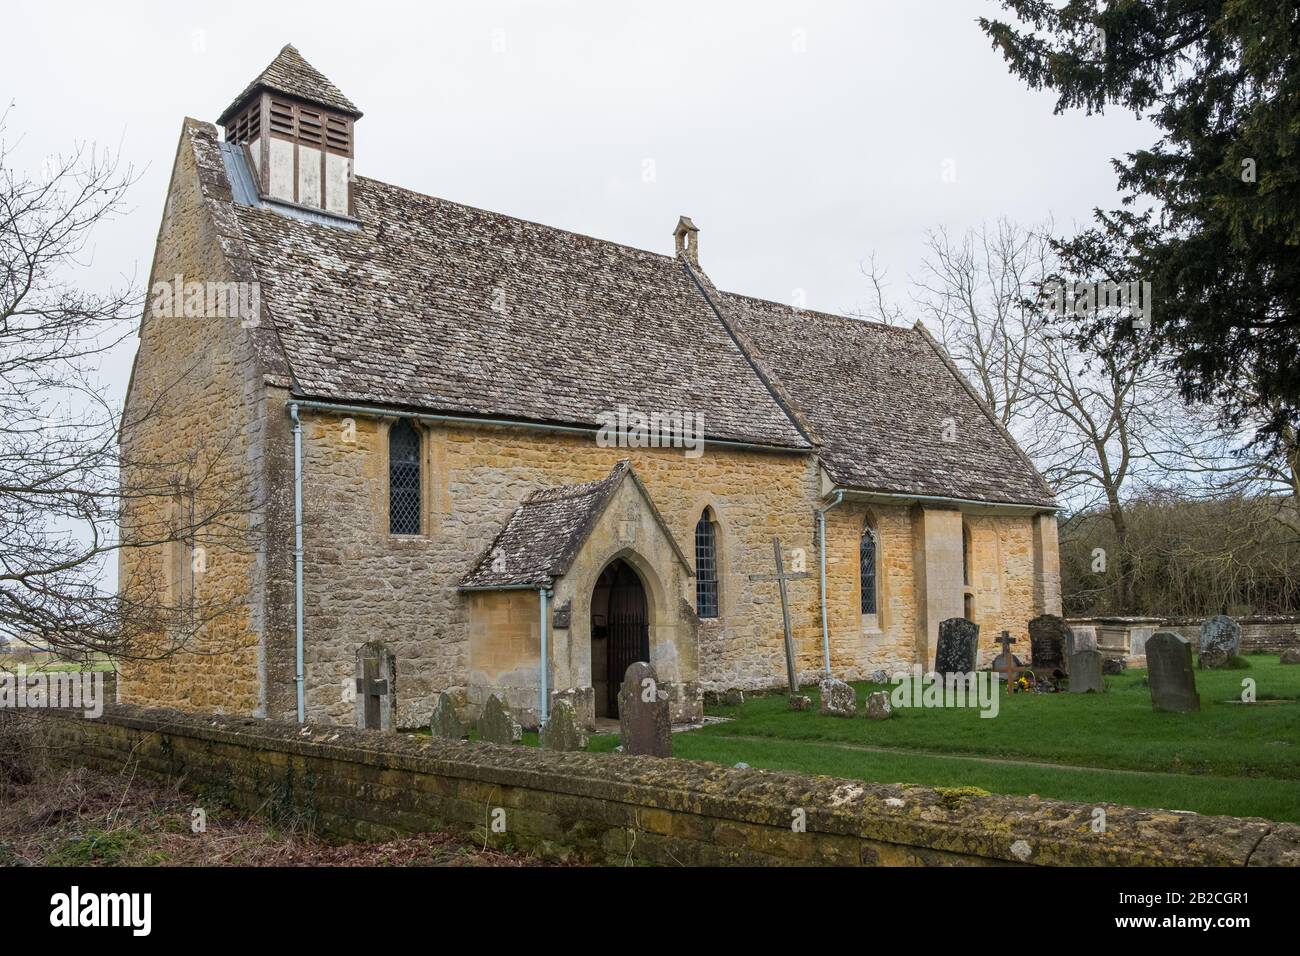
column 1211, row 211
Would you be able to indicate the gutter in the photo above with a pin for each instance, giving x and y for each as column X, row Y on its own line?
column 821, row 538
column 297, row 564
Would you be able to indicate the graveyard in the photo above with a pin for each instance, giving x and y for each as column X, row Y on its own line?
column 1211, row 733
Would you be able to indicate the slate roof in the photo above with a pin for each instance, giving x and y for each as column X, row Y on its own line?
column 435, row 305
column 878, row 397
column 544, row 534
column 426, row 304
column 289, row 73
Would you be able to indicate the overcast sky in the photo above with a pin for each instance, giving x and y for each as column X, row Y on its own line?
column 800, row 137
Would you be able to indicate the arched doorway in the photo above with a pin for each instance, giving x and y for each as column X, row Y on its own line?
column 620, row 632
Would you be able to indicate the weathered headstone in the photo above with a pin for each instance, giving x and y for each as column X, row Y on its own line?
column 446, row 723
column 878, row 706
column 1114, row 666
column 563, row 730
column 1085, row 672
column 1047, row 639
column 838, row 698
column 496, row 725
column 955, row 652
column 1220, row 639
column 1169, row 673
column 376, row 687
column 800, row 702
column 1291, row 655
column 643, row 720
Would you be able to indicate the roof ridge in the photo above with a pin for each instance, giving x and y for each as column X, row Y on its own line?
column 668, row 257
column 819, row 314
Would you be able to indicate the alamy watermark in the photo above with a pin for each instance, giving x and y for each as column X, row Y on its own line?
column 916, row 688
column 71, row 690
column 1086, row 299
column 207, row 300
column 630, row 428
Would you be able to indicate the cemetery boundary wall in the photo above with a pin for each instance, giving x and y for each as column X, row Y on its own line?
column 619, row 809
column 1259, row 635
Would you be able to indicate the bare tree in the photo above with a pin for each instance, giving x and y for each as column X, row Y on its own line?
column 1100, row 427
column 63, row 484
column 977, row 292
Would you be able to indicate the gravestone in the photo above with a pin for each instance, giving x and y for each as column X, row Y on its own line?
column 643, row 719
column 1114, row 666
column 496, row 725
column 562, row 730
column 1220, row 639
column 376, row 687
column 878, row 706
column 1169, row 674
column 1085, row 672
column 1291, row 655
column 955, row 652
column 838, row 698
column 800, row 702
column 446, row 724
column 1047, row 639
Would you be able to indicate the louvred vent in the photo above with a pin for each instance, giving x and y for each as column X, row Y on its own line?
column 338, row 134
column 310, row 127
column 282, row 118
column 246, row 127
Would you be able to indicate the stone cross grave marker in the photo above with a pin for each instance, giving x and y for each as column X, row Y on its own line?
column 374, row 686
column 1170, row 676
column 958, row 642
column 1009, row 668
column 644, row 724
column 1047, row 645
column 781, row 577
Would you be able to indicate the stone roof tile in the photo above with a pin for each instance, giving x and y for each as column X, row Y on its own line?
column 292, row 75
column 884, row 400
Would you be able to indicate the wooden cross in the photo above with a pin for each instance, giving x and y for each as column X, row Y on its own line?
column 1009, row 668
column 780, row 578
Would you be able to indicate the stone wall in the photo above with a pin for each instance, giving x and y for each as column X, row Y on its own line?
column 193, row 417
column 620, row 810
column 364, row 584
column 1259, row 635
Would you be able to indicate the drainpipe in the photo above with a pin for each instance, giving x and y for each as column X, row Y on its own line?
column 821, row 538
column 543, row 595
column 297, row 562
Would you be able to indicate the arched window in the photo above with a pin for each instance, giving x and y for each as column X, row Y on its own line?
column 404, row 479
column 706, row 565
column 867, row 569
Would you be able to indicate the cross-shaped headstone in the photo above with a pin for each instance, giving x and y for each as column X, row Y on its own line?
column 780, row 578
column 372, row 689
column 1009, row 668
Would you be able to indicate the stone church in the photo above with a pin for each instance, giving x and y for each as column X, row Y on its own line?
column 412, row 418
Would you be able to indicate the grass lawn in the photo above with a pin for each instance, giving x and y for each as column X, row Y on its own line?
column 1231, row 758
